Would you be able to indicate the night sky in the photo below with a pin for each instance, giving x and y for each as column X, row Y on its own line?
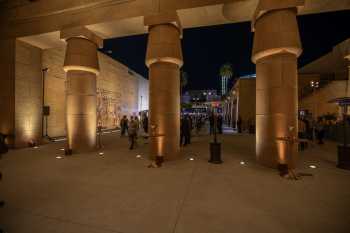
column 205, row 49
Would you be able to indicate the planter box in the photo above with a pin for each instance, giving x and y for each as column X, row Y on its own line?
column 344, row 157
column 215, row 153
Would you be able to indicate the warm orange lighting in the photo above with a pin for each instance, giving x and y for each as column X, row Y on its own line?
column 80, row 68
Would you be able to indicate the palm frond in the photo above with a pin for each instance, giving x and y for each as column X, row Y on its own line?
column 226, row 70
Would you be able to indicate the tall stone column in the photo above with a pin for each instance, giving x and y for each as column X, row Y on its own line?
column 346, row 52
column 164, row 60
column 81, row 66
column 276, row 49
column 7, row 89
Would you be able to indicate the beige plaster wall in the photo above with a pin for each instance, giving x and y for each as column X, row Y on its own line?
column 7, row 87
column 55, row 97
column 117, row 91
column 247, row 93
column 304, row 80
column 317, row 103
column 28, row 94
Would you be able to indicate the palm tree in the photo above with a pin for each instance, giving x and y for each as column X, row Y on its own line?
column 226, row 73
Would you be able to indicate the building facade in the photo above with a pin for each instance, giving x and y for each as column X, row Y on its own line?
column 82, row 26
column 319, row 82
column 41, row 81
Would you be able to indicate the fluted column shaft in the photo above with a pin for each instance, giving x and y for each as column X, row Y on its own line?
column 164, row 59
column 276, row 49
column 81, row 66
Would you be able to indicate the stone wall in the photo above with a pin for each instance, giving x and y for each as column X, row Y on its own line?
column 28, row 94
column 317, row 102
column 117, row 91
column 246, row 100
column 55, row 97
column 7, row 87
column 143, row 93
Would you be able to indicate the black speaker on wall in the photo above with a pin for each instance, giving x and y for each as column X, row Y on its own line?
column 46, row 110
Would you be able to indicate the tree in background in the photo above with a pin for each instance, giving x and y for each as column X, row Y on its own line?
column 226, row 72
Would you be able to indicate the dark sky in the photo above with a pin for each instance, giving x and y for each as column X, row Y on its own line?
column 205, row 49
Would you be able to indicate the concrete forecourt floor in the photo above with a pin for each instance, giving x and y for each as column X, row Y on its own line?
column 116, row 192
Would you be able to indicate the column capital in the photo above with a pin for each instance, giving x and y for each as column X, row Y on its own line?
column 81, row 55
column 264, row 6
column 163, row 18
column 81, row 32
column 164, row 45
column 278, row 20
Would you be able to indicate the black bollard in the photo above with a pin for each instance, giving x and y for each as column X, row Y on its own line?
column 344, row 157
column 68, row 152
column 215, row 153
column 215, row 147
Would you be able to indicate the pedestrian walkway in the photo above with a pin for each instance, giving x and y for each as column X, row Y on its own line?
column 113, row 191
column 228, row 130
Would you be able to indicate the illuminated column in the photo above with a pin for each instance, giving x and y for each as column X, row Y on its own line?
column 276, row 49
column 164, row 60
column 81, row 66
column 7, row 88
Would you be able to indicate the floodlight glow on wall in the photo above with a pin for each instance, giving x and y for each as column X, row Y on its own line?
column 80, row 68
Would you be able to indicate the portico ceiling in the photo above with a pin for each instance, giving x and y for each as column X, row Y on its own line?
column 207, row 15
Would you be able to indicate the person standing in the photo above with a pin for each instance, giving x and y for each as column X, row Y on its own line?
column 191, row 127
column 320, row 130
column 3, row 146
column 137, row 122
column 185, row 131
column 132, row 131
column 302, row 133
column 219, row 123
column 145, row 123
column 308, row 129
column 123, row 126
column 239, row 124
column 211, row 123
column 198, row 125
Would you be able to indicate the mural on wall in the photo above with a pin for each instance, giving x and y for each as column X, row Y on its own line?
column 109, row 109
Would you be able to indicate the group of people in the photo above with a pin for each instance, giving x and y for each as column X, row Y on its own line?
column 219, row 123
column 131, row 128
column 187, row 124
column 197, row 122
column 245, row 125
column 311, row 129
